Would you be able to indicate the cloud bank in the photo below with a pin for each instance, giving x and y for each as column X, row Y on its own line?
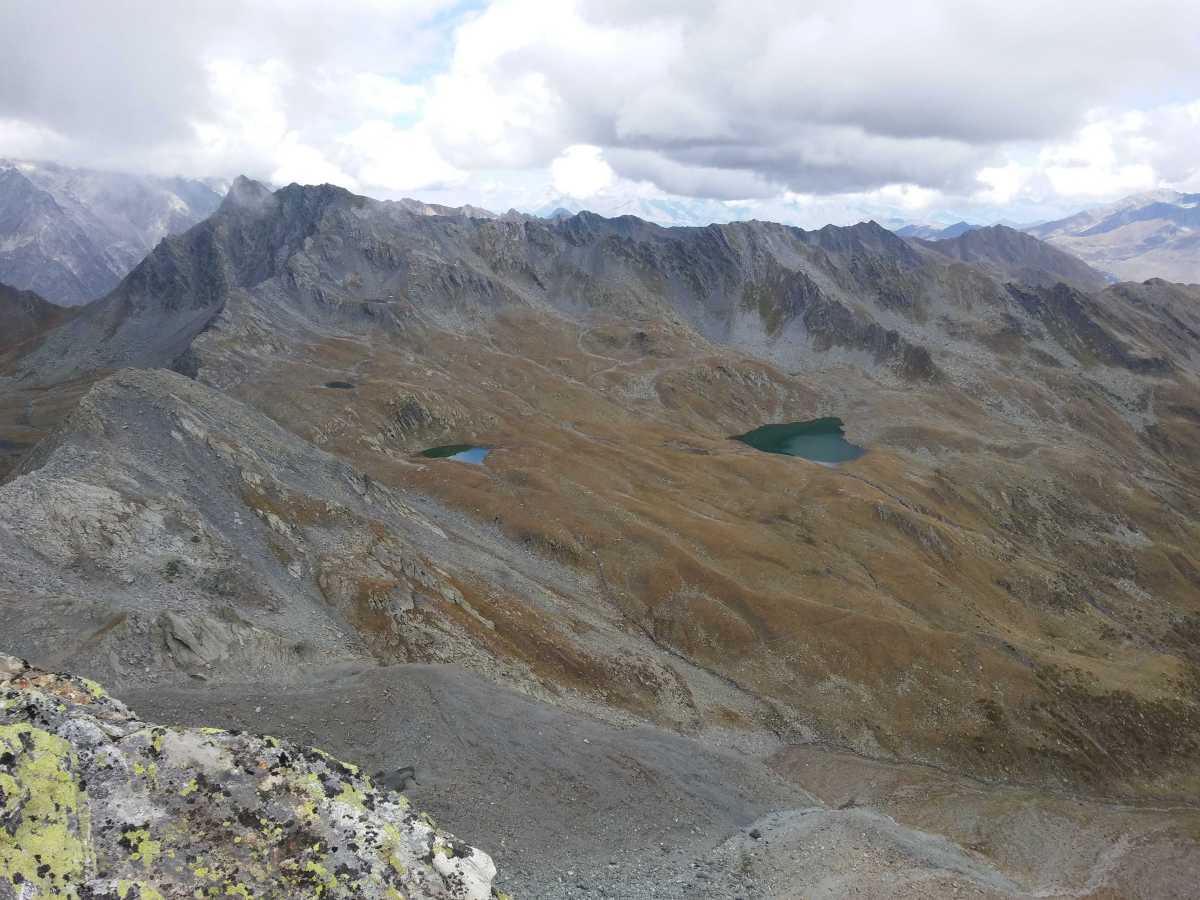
column 930, row 105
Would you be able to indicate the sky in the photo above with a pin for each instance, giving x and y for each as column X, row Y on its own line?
column 806, row 111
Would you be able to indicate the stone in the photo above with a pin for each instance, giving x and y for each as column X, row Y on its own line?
column 97, row 803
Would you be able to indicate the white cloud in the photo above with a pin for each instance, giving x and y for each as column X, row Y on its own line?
column 581, row 171
column 744, row 96
column 829, row 107
column 1002, row 183
column 300, row 163
column 906, row 196
column 371, row 95
column 21, row 139
column 1104, row 158
column 398, row 160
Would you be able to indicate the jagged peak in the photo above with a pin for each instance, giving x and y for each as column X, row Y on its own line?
column 246, row 193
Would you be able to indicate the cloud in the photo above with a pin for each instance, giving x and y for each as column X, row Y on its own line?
column 222, row 87
column 581, row 171
column 970, row 105
column 398, row 160
column 726, row 99
column 1095, row 164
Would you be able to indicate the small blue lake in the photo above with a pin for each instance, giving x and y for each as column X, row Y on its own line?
column 467, row 453
column 819, row 440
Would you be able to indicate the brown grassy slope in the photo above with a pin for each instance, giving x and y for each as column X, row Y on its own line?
column 972, row 591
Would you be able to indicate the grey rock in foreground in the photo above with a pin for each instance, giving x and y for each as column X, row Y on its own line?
column 96, row 803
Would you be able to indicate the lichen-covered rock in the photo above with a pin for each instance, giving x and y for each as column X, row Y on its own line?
column 97, row 804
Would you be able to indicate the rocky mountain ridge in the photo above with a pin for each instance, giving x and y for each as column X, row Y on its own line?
column 525, row 260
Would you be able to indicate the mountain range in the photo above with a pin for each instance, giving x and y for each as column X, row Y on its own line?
column 627, row 646
column 1150, row 235
column 71, row 234
column 1153, row 235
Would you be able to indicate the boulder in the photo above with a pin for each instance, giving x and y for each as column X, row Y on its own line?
column 97, row 803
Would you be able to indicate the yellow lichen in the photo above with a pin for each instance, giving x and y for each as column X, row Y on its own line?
column 350, row 767
column 142, row 846
column 145, row 891
column 94, row 689
column 51, row 836
column 352, row 796
column 328, row 881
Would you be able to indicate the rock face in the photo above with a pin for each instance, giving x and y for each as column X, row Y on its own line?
column 96, row 803
column 72, row 234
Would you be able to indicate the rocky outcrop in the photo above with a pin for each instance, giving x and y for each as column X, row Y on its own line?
column 96, row 803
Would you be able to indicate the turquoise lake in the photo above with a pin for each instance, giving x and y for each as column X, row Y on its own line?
column 467, row 453
column 818, row 440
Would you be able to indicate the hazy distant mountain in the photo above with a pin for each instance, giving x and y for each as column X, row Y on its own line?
column 672, row 209
column 1015, row 256
column 421, row 208
column 935, row 232
column 72, row 234
column 1152, row 235
column 663, row 210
